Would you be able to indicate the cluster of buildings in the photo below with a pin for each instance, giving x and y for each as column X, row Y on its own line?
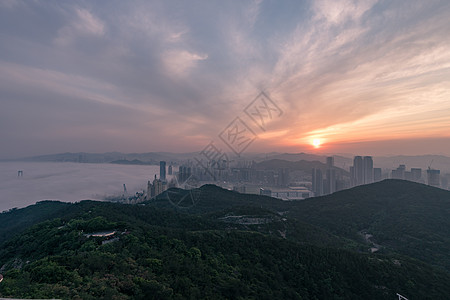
column 324, row 182
column 242, row 172
column 159, row 185
column 415, row 174
column 244, row 177
column 433, row 177
column 363, row 172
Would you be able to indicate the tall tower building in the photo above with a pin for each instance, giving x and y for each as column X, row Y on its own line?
column 330, row 162
column 434, row 178
column 283, row 177
column 162, row 170
column 330, row 181
column 399, row 173
column 149, row 190
column 317, row 182
column 358, row 170
column 368, row 169
column 184, row 173
column 376, row 174
column 157, row 187
column 352, row 176
column 330, row 176
column 416, row 174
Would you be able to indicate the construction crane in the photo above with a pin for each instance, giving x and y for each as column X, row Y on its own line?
column 429, row 166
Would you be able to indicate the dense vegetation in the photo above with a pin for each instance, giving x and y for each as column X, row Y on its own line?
column 229, row 245
column 405, row 217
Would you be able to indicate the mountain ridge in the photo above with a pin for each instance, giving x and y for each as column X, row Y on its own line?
column 232, row 246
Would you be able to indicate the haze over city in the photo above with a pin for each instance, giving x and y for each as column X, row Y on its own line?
column 360, row 77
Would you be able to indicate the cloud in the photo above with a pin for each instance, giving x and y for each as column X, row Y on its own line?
column 83, row 24
column 163, row 75
column 340, row 11
column 342, row 73
column 180, row 62
column 9, row 4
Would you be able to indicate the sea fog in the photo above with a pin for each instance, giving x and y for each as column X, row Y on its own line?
column 68, row 182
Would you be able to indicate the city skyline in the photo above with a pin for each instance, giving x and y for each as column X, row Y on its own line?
column 359, row 77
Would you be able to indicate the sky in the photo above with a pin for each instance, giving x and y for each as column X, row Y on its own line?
column 364, row 77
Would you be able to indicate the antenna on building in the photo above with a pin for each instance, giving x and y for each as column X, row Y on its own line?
column 429, row 166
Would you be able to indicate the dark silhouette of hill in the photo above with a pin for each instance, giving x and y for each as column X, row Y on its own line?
column 226, row 245
column 157, row 253
column 16, row 220
column 403, row 216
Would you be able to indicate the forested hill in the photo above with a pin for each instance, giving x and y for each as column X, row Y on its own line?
column 402, row 216
column 218, row 244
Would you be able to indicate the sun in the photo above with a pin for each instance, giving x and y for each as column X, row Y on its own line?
column 316, row 143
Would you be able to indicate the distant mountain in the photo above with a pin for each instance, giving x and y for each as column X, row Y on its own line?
column 129, row 162
column 340, row 161
column 82, row 157
column 385, row 162
column 295, row 157
column 419, row 161
column 302, row 165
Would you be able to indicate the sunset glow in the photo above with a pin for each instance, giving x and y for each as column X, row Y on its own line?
column 316, row 143
column 158, row 72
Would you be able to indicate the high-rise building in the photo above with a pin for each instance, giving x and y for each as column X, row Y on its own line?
column 330, row 175
column 352, row 176
column 162, row 170
column 149, row 190
column 358, row 170
column 399, row 173
column 283, row 177
column 408, row 175
column 416, row 174
column 330, row 181
column 317, row 182
column 376, row 174
column 362, row 171
column 368, row 169
column 170, row 170
column 434, row 177
column 184, row 173
column 330, row 162
column 157, row 187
